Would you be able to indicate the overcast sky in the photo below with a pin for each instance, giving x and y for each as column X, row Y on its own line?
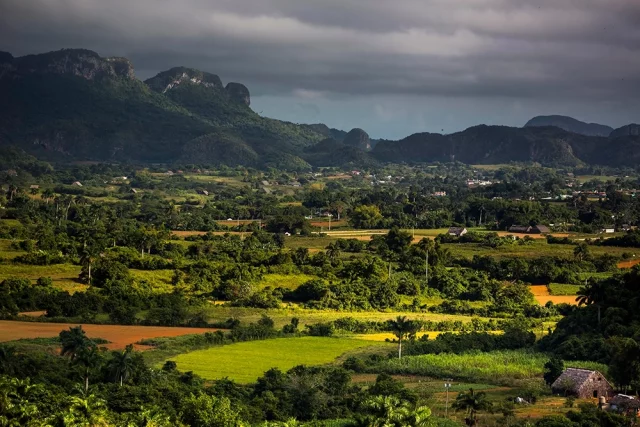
column 391, row 67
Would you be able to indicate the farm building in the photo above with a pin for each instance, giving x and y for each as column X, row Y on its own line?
column 519, row 229
column 457, row 231
column 628, row 405
column 533, row 229
column 582, row 383
column 608, row 229
column 539, row 229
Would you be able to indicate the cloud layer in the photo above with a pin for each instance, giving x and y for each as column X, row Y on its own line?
column 545, row 53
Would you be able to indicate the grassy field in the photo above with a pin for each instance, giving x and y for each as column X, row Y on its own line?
column 7, row 252
column 281, row 317
column 534, row 249
column 497, row 367
column 245, row 362
column 287, row 281
column 64, row 276
column 159, row 280
column 563, row 289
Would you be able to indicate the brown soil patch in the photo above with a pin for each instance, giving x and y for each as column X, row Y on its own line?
column 181, row 233
column 340, row 223
column 119, row 336
column 628, row 264
column 533, row 236
column 542, row 295
column 33, row 313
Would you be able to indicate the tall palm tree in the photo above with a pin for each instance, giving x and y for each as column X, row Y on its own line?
column 86, row 411
column 121, row 364
column 80, row 350
column 472, row 403
column 592, row 294
column 401, row 328
column 386, row 411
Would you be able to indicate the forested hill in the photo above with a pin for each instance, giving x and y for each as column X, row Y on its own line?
column 571, row 125
column 73, row 104
column 483, row 144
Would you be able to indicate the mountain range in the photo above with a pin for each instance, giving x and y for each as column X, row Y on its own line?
column 73, row 104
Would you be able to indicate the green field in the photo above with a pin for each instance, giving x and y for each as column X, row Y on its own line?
column 537, row 248
column 287, row 281
column 6, row 251
column 558, row 289
column 245, row 362
column 496, row 367
column 158, row 280
column 65, row 276
column 281, row 317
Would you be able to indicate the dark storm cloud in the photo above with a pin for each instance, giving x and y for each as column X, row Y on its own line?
column 570, row 49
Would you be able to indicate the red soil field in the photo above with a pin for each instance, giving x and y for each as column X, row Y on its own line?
column 628, row 264
column 119, row 336
column 541, row 294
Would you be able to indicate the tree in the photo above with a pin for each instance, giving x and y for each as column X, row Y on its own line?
column 366, row 216
column 121, row 364
column 390, row 411
column 203, row 410
column 592, row 294
column 553, row 369
column 472, row 402
column 581, row 252
column 401, row 328
column 80, row 350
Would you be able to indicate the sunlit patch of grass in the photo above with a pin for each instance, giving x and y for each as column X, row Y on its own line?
column 287, row 281
column 247, row 361
column 563, row 289
column 159, row 280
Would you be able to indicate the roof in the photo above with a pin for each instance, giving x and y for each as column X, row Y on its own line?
column 542, row 228
column 625, row 401
column 456, row 229
column 574, row 378
column 519, row 228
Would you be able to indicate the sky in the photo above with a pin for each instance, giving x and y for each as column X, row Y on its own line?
column 392, row 68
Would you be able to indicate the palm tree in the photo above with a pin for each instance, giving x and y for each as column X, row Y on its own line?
column 48, row 194
column 121, row 364
column 419, row 417
column 333, row 252
column 386, row 411
column 80, row 350
column 8, row 359
column 592, row 294
column 401, row 328
column 581, row 251
column 86, row 411
column 472, row 402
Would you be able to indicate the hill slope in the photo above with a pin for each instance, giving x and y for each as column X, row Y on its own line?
column 501, row 144
column 75, row 105
column 571, row 125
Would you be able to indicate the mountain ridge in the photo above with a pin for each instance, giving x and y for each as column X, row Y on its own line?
column 570, row 124
column 73, row 104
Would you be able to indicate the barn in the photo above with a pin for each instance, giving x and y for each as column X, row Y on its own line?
column 582, row 383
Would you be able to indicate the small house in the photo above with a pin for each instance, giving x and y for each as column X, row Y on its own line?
column 608, row 229
column 77, row 183
column 582, row 383
column 625, row 404
column 204, row 192
column 34, row 187
column 539, row 229
column 457, row 231
column 519, row 229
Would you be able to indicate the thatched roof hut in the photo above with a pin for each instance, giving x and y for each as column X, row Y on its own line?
column 582, row 383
